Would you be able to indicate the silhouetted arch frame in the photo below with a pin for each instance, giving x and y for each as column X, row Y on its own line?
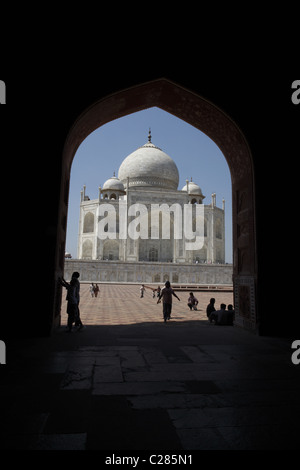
column 208, row 118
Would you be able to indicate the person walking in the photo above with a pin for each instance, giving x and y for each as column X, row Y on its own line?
column 96, row 290
column 142, row 290
column 92, row 289
column 166, row 293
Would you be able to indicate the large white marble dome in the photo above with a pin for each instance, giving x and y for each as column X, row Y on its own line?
column 149, row 166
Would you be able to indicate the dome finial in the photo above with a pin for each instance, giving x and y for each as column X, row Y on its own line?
column 149, row 135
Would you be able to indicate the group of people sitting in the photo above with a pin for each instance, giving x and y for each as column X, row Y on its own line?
column 219, row 317
column 222, row 316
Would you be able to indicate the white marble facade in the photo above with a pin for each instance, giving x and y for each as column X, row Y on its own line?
column 147, row 179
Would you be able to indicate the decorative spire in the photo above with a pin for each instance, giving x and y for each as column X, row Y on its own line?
column 149, row 135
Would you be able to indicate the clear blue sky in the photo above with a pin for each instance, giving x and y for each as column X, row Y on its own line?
column 195, row 155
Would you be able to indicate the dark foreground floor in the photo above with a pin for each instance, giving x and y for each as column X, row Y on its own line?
column 178, row 386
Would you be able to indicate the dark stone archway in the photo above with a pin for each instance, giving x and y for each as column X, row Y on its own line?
column 208, row 118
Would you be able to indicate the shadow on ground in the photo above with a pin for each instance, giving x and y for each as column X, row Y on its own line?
column 150, row 386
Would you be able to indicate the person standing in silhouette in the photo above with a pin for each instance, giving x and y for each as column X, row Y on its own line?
column 73, row 298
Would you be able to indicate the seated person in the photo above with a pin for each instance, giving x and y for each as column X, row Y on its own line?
column 192, row 302
column 218, row 315
column 230, row 314
column 223, row 316
column 211, row 307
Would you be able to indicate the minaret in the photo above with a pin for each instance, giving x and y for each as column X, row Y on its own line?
column 187, row 190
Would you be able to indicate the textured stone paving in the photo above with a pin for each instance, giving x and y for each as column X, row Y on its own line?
column 121, row 305
column 129, row 382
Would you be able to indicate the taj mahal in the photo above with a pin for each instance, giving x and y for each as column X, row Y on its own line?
column 145, row 189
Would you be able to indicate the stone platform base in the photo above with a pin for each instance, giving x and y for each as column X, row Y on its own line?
column 120, row 271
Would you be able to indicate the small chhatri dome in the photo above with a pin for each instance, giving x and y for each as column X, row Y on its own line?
column 149, row 166
column 113, row 183
column 193, row 188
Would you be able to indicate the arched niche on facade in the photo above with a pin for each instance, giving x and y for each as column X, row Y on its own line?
column 88, row 224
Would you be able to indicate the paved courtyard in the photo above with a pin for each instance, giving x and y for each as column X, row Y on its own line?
column 119, row 304
column 128, row 382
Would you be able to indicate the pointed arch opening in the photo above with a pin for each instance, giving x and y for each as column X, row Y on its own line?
column 217, row 125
